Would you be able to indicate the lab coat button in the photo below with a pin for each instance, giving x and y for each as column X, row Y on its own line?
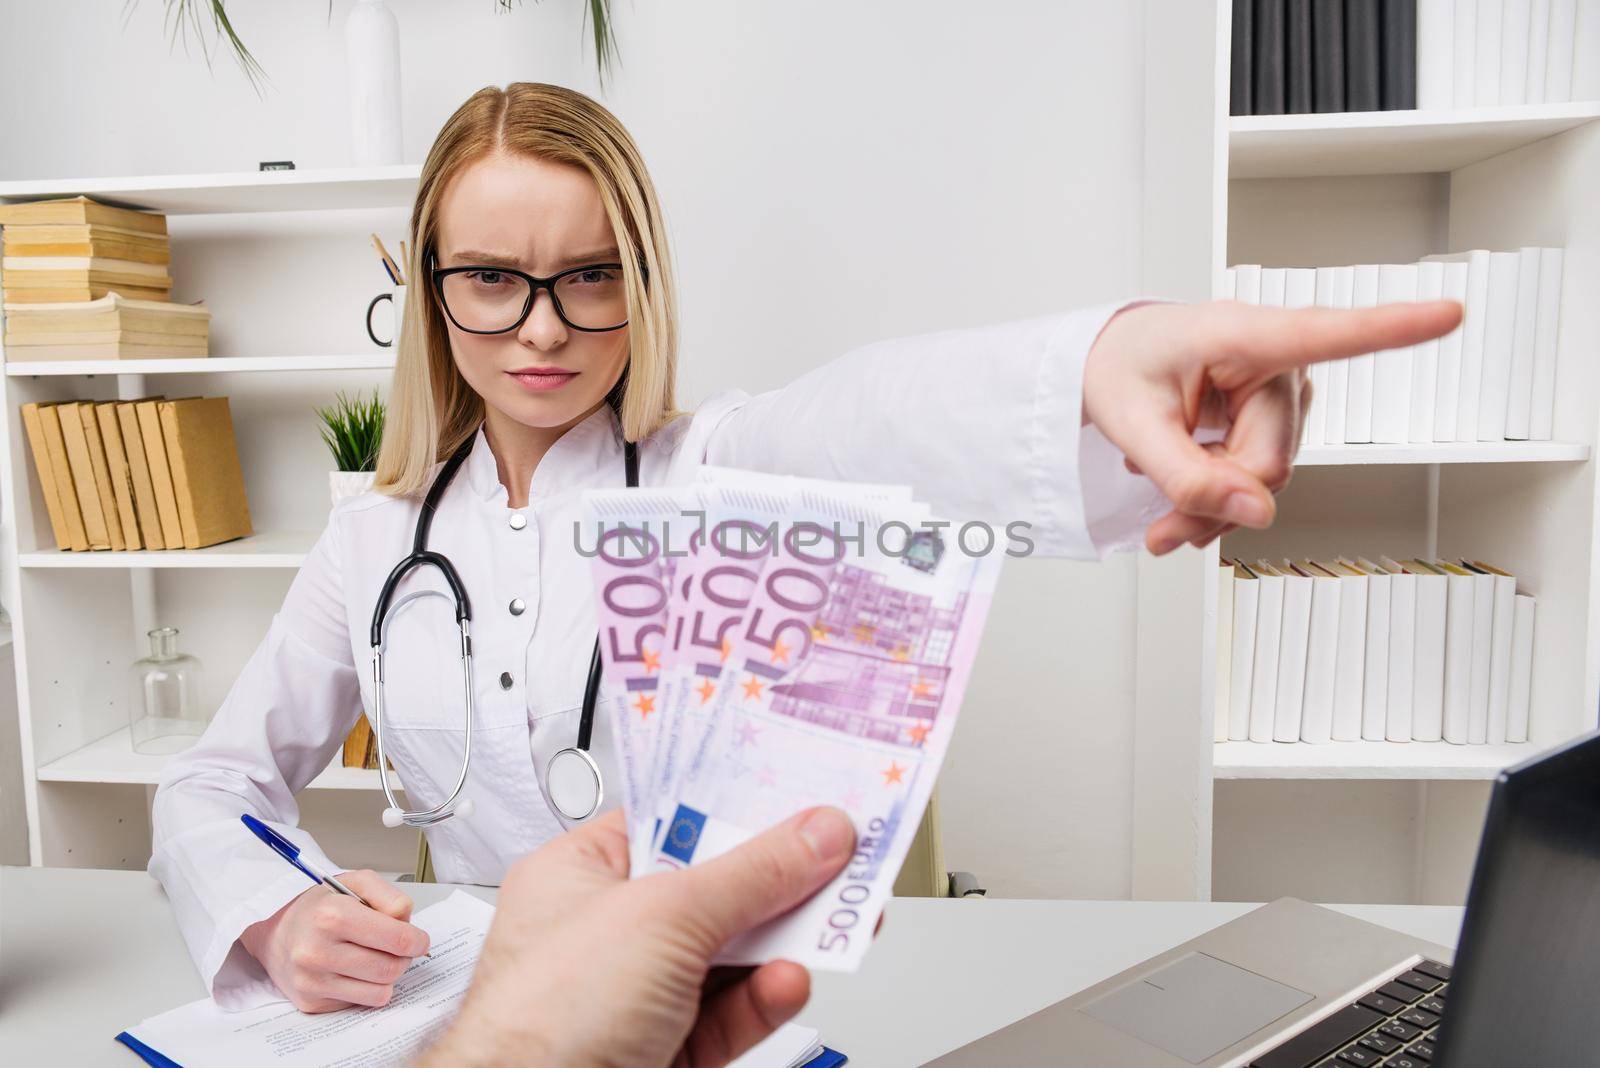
column 505, row 680
column 518, row 520
column 517, row 606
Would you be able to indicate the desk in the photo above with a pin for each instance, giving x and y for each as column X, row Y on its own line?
column 84, row 954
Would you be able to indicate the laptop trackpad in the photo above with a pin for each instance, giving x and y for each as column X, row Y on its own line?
column 1196, row 1006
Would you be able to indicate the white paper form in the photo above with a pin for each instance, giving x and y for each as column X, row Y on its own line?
column 425, row 999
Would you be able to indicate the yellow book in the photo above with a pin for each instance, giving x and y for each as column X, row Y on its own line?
column 121, row 478
column 102, row 475
column 155, row 451
column 206, row 477
column 144, row 492
column 47, row 479
column 61, row 471
column 80, row 210
column 95, row 523
column 83, row 293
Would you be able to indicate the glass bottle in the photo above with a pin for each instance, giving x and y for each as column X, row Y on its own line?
column 165, row 713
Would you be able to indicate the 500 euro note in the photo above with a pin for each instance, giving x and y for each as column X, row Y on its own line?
column 841, row 686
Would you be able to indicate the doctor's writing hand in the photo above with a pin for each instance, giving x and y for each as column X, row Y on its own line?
column 326, row 951
column 1158, row 371
column 584, row 968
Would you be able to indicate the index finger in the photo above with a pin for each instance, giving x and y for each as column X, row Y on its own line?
column 366, row 927
column 1272, row 340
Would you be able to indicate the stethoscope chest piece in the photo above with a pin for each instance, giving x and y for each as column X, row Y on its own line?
column 572, row 779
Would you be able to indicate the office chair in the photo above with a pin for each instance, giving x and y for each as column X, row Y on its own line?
column 922, row 875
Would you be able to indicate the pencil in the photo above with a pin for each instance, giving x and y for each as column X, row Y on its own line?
column 388, row 261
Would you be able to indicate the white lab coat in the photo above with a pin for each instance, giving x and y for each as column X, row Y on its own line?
column 983, row 423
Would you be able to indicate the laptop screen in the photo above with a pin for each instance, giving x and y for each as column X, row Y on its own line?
column 1527, row 969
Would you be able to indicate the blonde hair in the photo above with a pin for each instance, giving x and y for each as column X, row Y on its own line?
column 432, row 410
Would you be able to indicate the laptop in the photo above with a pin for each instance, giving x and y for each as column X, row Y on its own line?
column 1294, row 985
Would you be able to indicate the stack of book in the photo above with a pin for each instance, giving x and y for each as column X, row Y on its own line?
column 1491, row 379
column 80, row 249
column 145, row 474
column 85, row 280
column 361, row 747
column 1298, row 56
column 1349, row 650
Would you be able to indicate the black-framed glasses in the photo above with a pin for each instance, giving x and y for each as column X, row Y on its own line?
column 484, row 299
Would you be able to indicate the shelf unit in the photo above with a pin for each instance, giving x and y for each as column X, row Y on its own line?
column 251, row 245
column 1247, row 821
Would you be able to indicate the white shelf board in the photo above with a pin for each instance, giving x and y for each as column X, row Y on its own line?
column 1464, row 452
column 276, row 548
column 244, row 191
column 112, row 760
column 1365, row 760
column 1390, row 142
column 374, row 361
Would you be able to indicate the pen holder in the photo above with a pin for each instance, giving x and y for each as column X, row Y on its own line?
column 389, row 319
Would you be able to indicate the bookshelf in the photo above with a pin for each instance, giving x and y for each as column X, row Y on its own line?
column 289, row 337
column 1248, row 821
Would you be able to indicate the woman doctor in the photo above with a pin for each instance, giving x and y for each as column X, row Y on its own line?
column 541, row 338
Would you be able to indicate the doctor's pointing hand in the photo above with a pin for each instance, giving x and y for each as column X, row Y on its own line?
column 537, row 360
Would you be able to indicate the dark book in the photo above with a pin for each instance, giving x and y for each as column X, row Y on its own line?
column 1398, row 88
column 1361, row 79
column 1242, row 67
column 1297, row 55
column 1327, row 55
column 1271, row 88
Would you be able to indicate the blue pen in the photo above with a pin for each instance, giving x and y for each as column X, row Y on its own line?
column 291, row 852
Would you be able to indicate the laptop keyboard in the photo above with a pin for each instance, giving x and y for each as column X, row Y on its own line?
column 1392, row 1026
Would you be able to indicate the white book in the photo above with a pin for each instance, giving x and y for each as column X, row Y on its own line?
column 1391, row 374
column 1358, row 392
column 1323, row 296
column 1425, row 359
column 1274, row 282
column 1447, row 394
column 1457, row 652
column 1482, row 648
column 1519, row 389
column 1538, row 51
column 1500, row 641
column 1292, row 654
column 1545, row 345
column 1521, row 697
column 1264, row 671
column 1230, row 284
column 1464, row 77
column 1246, row 593
column 1300, row 291
column 1435, row 53
column 1342, row 293
column 1515, row 18
column 1220, row 706
column 1375, row 681
column 1473, row 338
column 1586, row 52
column 1498, row 338
column 1402, row 649
column 1322, row 651
column 1487, row 62
column 1351, row 655
column 1558, row 64
column 1427, row 671
column 1247, row 283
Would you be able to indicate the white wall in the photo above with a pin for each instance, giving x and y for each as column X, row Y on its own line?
column 833, row 173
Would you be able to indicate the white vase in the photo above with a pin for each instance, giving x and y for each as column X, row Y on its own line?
column 342, row 484
column 372, row 58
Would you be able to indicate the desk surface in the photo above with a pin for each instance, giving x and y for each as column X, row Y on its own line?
column 85, row 953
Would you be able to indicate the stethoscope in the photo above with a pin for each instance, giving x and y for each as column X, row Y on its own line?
column 573, row 786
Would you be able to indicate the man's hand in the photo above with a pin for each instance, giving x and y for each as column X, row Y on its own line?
column 1158, row 371
column 584, row 967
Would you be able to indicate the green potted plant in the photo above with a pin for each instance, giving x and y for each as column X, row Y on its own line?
column 352, row 430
